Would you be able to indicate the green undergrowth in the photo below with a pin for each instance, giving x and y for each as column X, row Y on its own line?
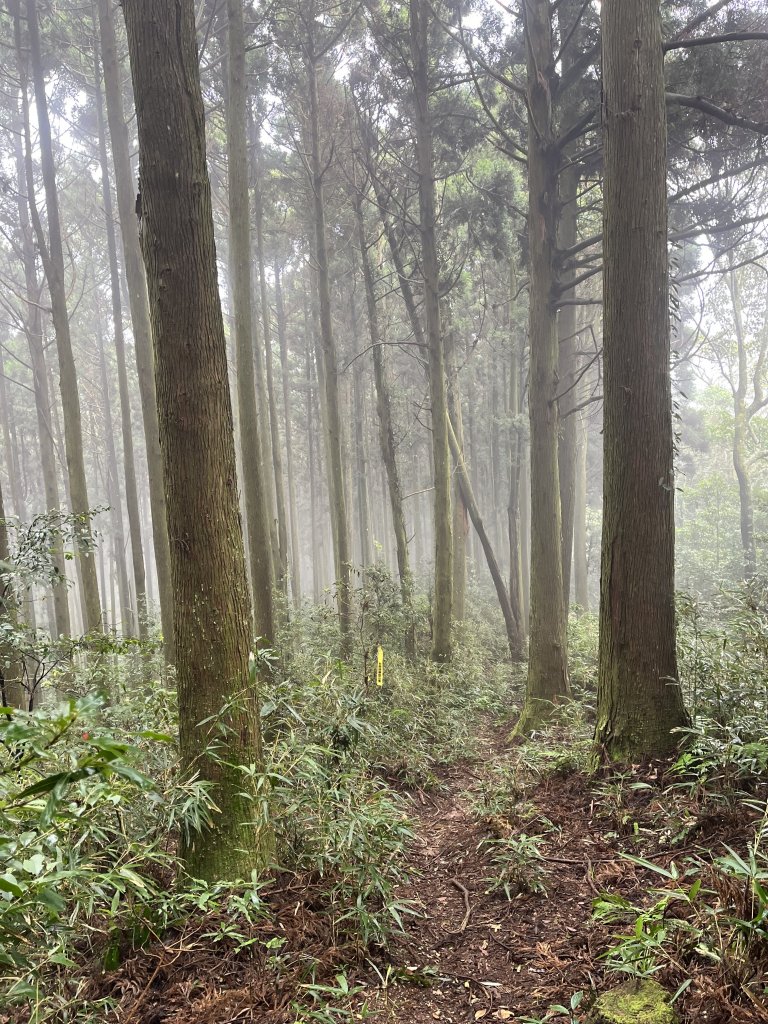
column 92, row 805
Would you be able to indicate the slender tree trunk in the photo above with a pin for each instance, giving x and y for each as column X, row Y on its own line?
column 511, row 624
column 741, row 435
column 293, row 513
column 12, row 689
column 517, row 448
column 129, row 466
column 567, row 377
column 113, row 497
column 639, row 699
column 317, row 585
column 443, row 595
column 275, row 445
column 547, row 666
column 254, row 471
column 580, row 574
column 217, row 697
column 460, row 511
column 331, row 376
column 140, row 321
column 53, row 261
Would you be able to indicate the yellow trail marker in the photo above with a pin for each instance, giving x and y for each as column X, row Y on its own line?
column 380, row 667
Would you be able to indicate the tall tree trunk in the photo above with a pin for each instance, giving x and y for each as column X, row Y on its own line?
column 361, row 464
column 741, row 434
column 293, row 513
column 254, row 471
column 33, row 329
column 460, row 511
column 274, row 427
column 443, row 595
column 331, row 375
column 580, row 573
column 129, row 464
column 567, row 376
column 517, row 449
column 639, row 699
column 547, row 666
column 317, row 585
column 113, row 497
column 53, row 262
column 217, row 699
column 140, row 321
column 387, row 443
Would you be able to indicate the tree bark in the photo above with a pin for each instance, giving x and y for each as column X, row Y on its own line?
column 639, row 698
column 517, row 449
column 140, row 320
column 53, row 262
column 443, row 594
column 547, row 667
column 217, row 699
column 253, row 470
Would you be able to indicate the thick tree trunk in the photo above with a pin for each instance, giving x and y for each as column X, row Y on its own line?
column 330, row 373
column 217, row 699
column 140, row 321
column 129, row 466
column 53, row 261
column 639, row 699
column 443, row 594
column 253, row 470
column 293, row 512
column 547, row 667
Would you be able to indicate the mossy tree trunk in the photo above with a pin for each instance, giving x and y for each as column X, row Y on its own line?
column 639, row 699
column 210, row 586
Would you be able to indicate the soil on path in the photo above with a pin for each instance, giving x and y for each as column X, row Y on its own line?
column 476, row 953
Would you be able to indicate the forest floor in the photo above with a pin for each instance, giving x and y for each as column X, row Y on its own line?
column 471, row 951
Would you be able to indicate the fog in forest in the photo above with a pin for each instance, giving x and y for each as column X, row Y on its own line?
column 384, row 444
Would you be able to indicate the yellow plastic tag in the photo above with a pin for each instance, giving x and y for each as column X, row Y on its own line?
column 380, row 667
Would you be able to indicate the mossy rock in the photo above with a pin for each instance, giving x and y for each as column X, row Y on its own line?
column 635, row 1002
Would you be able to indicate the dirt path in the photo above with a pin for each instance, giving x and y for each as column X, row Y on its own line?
column 475, row 954
column 480, row 954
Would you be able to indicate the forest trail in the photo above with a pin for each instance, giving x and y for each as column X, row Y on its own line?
column 473, row 953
